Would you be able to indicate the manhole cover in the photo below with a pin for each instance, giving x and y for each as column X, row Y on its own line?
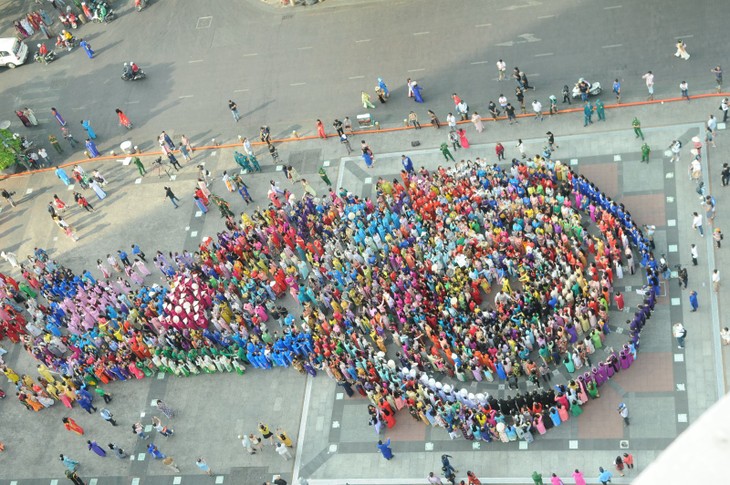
column 204, row 23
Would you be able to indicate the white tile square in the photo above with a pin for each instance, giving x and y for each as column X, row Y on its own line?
column 70, row 187
column 54, row 482
column 132, row 457
column 476, row 445
column 193, row 233
column 620, row 330
column 93, row 481
column 671, row 222
column 523, row 445
column 187, row 228
column 333, row 448
column 681, row 418
column 668, row 153
column 501, row 387
column 629, row 288
column 173, row 177
column 675, row 274
column 617, row 158
column 340, row 396
column 574, row 161
column 335, row 424
column 428, row 446
column 279, row 168
column 55, row 238
column 326, row 163
column 14, row 482
column 676, row 302
column 160, row 376
column 368, row 180
column 29, row 191
column 148, row 428
column 198, row 213
column 138, row 180
column 721, row 126
column 681, row 387
column 669, row 175
column 219, row 479
column 672, row 248
column 140, row 456
column 670, row 199
column 177, row 481
column 142, row 414
column 572, row 444
column 678, row 357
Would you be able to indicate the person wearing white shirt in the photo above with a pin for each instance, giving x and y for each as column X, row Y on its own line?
column 501, row 71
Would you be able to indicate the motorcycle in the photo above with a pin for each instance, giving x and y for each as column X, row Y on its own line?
column 103, row 13
column 45, row 59
column 594, row 89
column 137, row 76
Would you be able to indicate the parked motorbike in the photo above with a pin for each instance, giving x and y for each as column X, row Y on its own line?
column 594, row 89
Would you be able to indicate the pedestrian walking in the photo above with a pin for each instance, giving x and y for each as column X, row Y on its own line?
column 476, row 120
column 616, row 88
column 725, row 336
column 154, row 452
column 717, row 71
column 717, row 237
column 320, row 130
column 123, row 120
column 324, row 177
column 138, row 429
column 171, row 195
column 407, row 164
column 91, row 148
column 446, row 152
column 105, row 413
column 697, row 223
column 709, row 138
column 89, row 130
column 716, row 280
column 556, row 480
column 578, row 477
column 619, row 463
column 712, row 124
column 61, row 174
column 68, row 136
column 72, row 426
column 511, row 116
column 693, row 302
column 649, row 80
column 164, row 139
column 521, row 148
column 46, row 162
column 54, row 143
column 604, row 476
column 472, row 478
column 87, row 47
column 68, row 462
column 140, row 166
column 566, row 94
column 94, row 446
column 681, row 50
column 675, row 147
column 119, row 453
column 451, row 122
column 434, row 479
column 346, row 143
column 246, row 443
column 365, row 99
column 173, row 161
column 455, row 140
column 74, row 477
column 283, row 451
column 684, row 89
column 203, row 465
column 537, row 478
column 553, row 104
column 8, row 196
column 623, row 411
column 645, row 152
column 499, row 150
column 636, row 125
column 694, row 254
column 385, row 449
column 683, row 277
column 234, row 110
column 587, row 114
column 58, row 117
column 679, row 332
column 537, row 109
column 629, row 460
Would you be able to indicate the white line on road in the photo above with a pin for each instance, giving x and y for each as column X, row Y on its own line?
column 362, row 40
column 297, row 84
column 612, row 46
column 546, row 17
column 356, row 77
column 483, row 25
column 545, row 54
column 76, row 108
column 479, row 62
column 250, row 55
column 305, row 48
column 196, row 60
column 421, row 33
column 612, row 7
column 132, row 102
column 533, row 75
column 303, row 427
column 688, row 36
column 240, row 90
column 416, row 70
column 186, row 96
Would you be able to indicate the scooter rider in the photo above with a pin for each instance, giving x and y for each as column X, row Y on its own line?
column 42, row 50
column 135, row 67
column 127, row 72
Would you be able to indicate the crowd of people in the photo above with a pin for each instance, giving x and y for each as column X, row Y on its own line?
column 473, row 272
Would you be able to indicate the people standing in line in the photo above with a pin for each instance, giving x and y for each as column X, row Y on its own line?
column 623, row 411
column 717, row 236
column 679, row 332
column 649, row 79
column 600, row 110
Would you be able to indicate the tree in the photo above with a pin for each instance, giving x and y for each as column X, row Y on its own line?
column 9, row 149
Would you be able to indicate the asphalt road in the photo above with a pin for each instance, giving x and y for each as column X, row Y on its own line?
column 288, row 67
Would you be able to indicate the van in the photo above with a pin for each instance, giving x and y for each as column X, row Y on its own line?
column 12, row 52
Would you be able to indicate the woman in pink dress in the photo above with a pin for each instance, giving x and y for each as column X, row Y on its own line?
column 462, row 138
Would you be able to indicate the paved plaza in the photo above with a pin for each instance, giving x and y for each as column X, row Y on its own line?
column 666, row 388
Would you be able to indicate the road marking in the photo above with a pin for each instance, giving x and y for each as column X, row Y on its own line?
column 196, row 60
column 421, row 33
column 76, row 108
column 356, row 77
column 250, row 55
column 302, row 428
column 186, row 96
column 305, row 48
column 483, row 25
column 546, row 16
column 612, row 46
column 132, row 102
column 479, row 62
column 416, row 70
column 240, row 90
column 545, row 54
column 297, row 84
column 362, row 40
column 689, row 36
column 612, row 7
